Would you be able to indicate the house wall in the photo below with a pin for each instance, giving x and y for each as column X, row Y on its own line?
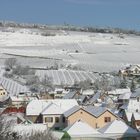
column 90, row 119
column 54, row 124
column 83, row 115
column 32, row 118
column 135, row 123
column 100, row 120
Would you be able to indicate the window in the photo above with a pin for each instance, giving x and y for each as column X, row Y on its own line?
column 64, row 120
column 97, row 125
column 107, row 119
column 138, row 99
column 48, row 119
column 138, row 123
column 57, row 119
column 137, row 110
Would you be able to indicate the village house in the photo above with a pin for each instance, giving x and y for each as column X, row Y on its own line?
column 81, row 129
column 22, row 99
column 34, row 108
column 120, row 95
column 53, row 114
column 4, row 97
column 134, row 102
column 135, row 121
column 49, row 112
column 81, row 99
column 132, row 70
column 126, row 116
column 119, row 130
column 96, row 117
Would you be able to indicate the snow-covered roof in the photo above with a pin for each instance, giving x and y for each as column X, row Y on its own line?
column 57, row 134
column 96, row 111
column 22, row 98
column 136, row 115
column 128, row 115
column 88, row 92
column 81, row 129
column 52, row 108
column 35, row 107
column 133, row 67
column 69, row 95
column 120, row 91
column 136, row 93
column 125, row 96
column 71, row 111
column 133, row 105
column 59, row 106
column 65, row 104
column 117, row 127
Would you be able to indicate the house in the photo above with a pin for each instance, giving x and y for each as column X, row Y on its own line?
column 40, row 110
column 96, row 117
column 116, row 93
column 22, row 99
column 81, row 129
column 94, row 98
column 4, row 96
column 76, row 95
column 34, row 108
column 127, row 115
column 135, row 120
column 88, row 92
column 53, row 114
column 131, row 70
column 134, row 103
column 124, row 98
column 53, row 117
column 70, row 95
column 118, row 129
column 60, row 92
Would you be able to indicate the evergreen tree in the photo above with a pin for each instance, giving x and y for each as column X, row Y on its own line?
column 133, row 86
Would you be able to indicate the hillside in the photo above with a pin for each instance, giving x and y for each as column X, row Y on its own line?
column 98, row 52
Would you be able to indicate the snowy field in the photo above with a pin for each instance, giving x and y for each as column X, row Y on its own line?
column 90, row 51
column 67, row 77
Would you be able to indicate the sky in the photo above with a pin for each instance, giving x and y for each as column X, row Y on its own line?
column 100, row 13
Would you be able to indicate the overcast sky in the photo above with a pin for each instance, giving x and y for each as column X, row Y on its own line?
column 116, row 13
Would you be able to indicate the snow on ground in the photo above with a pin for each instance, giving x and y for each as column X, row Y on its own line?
column 67, row 77
column 12, row 87
column 95, row 51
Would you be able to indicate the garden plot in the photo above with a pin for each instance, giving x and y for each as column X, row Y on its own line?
column 12, row 87
column 67, row 77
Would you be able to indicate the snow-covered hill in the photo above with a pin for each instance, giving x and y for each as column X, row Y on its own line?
column 89, row 51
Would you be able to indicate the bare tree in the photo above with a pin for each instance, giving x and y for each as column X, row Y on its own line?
column 10, row 63
column 7, row 133
column 46, row 83
column 5, row 129
column 102, row 84
column 85, row 84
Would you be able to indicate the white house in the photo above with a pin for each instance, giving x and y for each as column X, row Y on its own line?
column 118, row 129
column 81, row 129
